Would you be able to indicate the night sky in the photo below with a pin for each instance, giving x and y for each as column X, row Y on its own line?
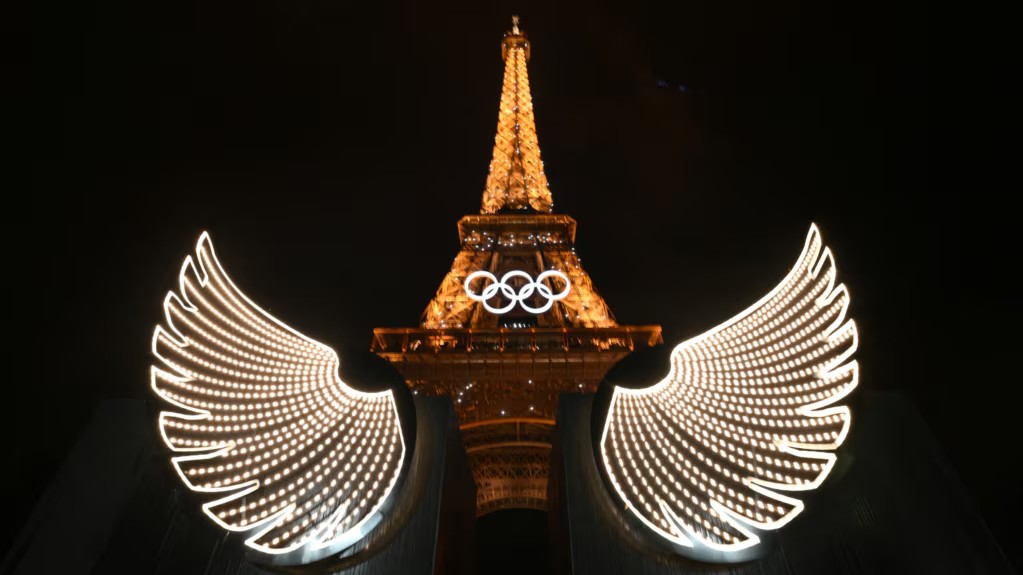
column 330, row 149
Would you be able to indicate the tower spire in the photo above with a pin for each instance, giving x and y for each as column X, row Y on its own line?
column 516, row 180
column 516, row 321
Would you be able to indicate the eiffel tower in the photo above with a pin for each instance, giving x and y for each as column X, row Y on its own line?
column 503, row 346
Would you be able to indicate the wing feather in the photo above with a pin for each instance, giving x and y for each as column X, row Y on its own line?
column 261, row 418
column 746, row 412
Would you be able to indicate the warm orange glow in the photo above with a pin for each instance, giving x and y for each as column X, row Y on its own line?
column 516, row 179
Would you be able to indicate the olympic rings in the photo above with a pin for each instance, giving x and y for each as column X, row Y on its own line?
column 522, row 295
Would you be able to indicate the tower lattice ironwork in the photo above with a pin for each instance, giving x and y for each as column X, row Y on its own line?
column 505, row 371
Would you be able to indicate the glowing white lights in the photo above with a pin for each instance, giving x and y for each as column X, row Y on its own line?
column 520, row 296
column 745, row 412
column 295, row 455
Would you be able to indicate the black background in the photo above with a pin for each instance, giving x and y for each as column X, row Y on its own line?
column 329, row 148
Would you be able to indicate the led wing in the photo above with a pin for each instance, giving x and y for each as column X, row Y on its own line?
column 745, row 413
column 264, row 423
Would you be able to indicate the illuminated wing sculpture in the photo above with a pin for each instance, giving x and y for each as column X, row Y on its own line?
column 286, row 450
column 745, row 414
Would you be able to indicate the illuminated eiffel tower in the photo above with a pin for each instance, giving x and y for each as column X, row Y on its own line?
column 504, row 346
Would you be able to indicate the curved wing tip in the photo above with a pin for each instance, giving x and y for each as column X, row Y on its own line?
column 204, row 239
column 204, row 244
column 814, row 229
column 188, row 264
column 154, row 340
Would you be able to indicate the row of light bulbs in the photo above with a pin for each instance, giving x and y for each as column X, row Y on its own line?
column 300, row 456
column 744, row 413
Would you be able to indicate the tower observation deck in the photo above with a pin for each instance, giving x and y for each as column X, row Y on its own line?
column 526, row 327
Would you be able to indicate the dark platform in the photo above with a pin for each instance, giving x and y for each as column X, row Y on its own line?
column 116, row 507
column 892, row 505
